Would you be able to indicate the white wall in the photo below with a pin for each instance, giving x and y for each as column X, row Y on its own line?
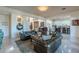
column 62, row 22
column 13, row 25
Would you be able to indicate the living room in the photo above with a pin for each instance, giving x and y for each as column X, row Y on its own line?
column 27, row 29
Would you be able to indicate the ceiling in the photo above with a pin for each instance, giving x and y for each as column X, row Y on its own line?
column 52, row 10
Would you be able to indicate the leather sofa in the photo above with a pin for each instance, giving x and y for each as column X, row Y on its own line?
column 48, row 46
column 25, row 35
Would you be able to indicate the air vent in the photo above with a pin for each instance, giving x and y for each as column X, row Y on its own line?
column 63, row 8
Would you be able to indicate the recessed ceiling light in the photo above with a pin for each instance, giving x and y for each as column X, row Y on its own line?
column 42, row 8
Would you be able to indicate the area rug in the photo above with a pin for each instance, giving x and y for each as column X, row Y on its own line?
column 25, row 46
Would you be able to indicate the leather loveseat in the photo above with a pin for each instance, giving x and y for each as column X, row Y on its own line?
column 47, row 46
column 25, row 35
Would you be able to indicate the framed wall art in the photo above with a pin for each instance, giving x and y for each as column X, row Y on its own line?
column 75, row 22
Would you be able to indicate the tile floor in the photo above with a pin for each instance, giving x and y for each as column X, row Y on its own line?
column 9, row 47
column 67, row 46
